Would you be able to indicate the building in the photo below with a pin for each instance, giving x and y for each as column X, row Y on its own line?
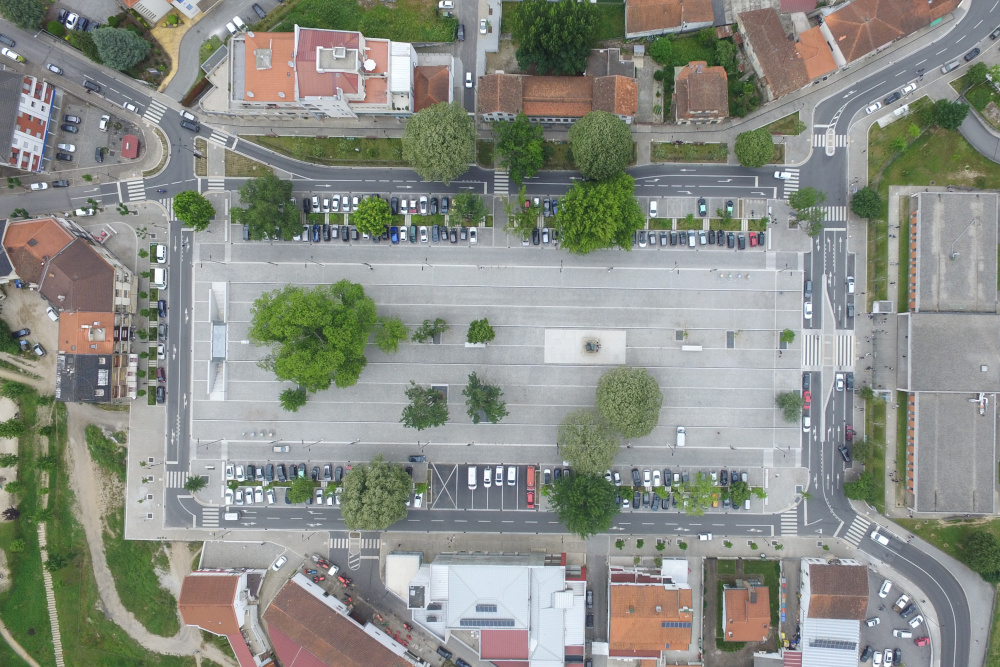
column 528, row 610
column 646, row 18
column 327, row 74
column 556, row 99
column 25, row 119
column 833, row 600
column 309, row 627
column 224, row 602
column 859, row 28
column 746, row 612
column 701, row 93
column 650, row 610
column 96, row 296
column 154, row 10
column 781, row 63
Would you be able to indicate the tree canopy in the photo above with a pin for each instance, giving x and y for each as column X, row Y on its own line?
column 317, row 336
column 25, row 14
column 738, row 493
column 587, row 441
column 662, row 50
column 601, row 142
column 267, row 209
column 980, row 550
column 949, row 115
column 193, row 209
column 390, row 332
column 469, row 207
column 598, row 215
column 630, row 400
column 440, row 142
column 195, row 483
column 483, row 399
column 301, row 489
column 790, row 403
column 293, row 398
column 754, row 148
column 866, row 203
column 480, row 331
column 554, row 37
column 697, row 494
column 372, row 216
column 585, row 504
column 428, row 407
column 120, row 48
column 863, row 488
column 375, row 495
column 424, row 332
column 519, row 146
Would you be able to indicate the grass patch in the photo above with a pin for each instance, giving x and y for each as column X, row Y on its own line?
column 871, row 451
column 661, row 223
column 335, row 150
column 219, row 642
column 669, row 152
column 691, row 222
column 940, row 157
column 610, row 24
column 790, row 124
column 770, row 572
column 240, row 166
column 14, row 368
column 779, row 154
column 946, row 534
column 207, row 48
column 691, row 48
column 727, row 224
column 993, row 652
column 727, row 566
column 405, row 21
column 901, row 397
column 105, row 452
column 201, row 163
column 878, row 262
column 484, row 153
column 756, row 225
column 557, row 155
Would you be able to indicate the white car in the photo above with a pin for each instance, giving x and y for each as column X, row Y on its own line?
column 39, row 186
column 807, row 310
column 872, row 622
column 886, row 587
column 12, row 55
column 230, row 472
column 249, row 497
column 336, row 495
column 887, row 658
column 873, row 108
column 704, row 537
column 472, row 236
column 229, row 497
column 839, row 382
column 806, row 423
column 423, row 235
column 103, row 124
column 908, row 89
column 423, row 205
column 231, row 28
column 278, row 563
column 72, row 20
column 240, row 474
column 468, row 79
column 239, row 496
column 240, row 25
column 446, row 4
column 335, row 205
column 487, row 477
column 161, row 253
column 783, row 175
column 326, row 204
column 161, row 351
column 880, row 538
column 850, row 284
column 258, row 495
column 83, row 211
column 482, row 26
column 69, row 148
column 53, row 68
column 270, row 496
column 652, row 208
column 916, row 620
column 646, row 477
column 418, row 500
column 877, row 659
column 131, row 107
column 354, row 203
column 656, row 478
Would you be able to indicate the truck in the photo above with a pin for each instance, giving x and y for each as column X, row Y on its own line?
column 901, row 603
column 280, row 448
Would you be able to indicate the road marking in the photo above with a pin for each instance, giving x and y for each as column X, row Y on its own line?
column 960, row 39
column 940, row 52
column 977, row 25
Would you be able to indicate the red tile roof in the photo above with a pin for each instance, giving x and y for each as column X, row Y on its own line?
column 701, row 91
column 663, row 15
column 637, row 617
column 862, row 26
column 557, row 96
column 499, row 93
column 31, row 243
column 207, row 601
column 504, row 644
column 838, row 591
column 815, row 53
column 616, row 94
column 325, row 84
column 431, row 84
column 267, row 74
column 748, row 614
column 130, row 147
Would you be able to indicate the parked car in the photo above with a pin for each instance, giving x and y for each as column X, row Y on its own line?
column 38, row 349
column 892, row 98
column 702, row 207
column 261, row 14
column 972, row 54
column 872, row 108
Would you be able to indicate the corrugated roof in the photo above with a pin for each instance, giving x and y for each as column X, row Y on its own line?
column 503, row 645
column 557, row 96
column 830, row 643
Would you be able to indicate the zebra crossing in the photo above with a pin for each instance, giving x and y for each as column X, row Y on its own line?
column 857, row 531
column 790, row 522
column 845, row 350
column 812, row 350
column 136, row 190
column 790, row 184
column 176, row 479
column 168, row 205
column 366, row 543
column 501, row 183
column 815, row 346
column 819, row 141
column 216, row 184
column 835, row 213
column 220, row 138
column 209, row 517
column 155, row 111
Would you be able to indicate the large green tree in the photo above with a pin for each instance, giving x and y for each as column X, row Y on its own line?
column 372, row 216
column 598, row 215
column 864, row 488
column 554, row 37
column 630, row 400
column 440, row 142
column 587, row 441
column 193, row 209
column 25, row 14
column 292, row 399
column 790, row 403
column 375, row 495
column 317, row 336
column 738, row 493
column 866, row 203
column 301, row 489
column 754, row 148
column 469, row 207
column 697, row 494
column 390, row 332
column 428, row 407
column 601, row 143
column 585, row 504
column 519, row 146
column 949, row 115
column 662, row 50
column 120, row 48
column 483, row 399
column 267, row 208
column 809, row 211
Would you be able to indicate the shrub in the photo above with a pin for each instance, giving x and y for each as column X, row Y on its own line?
column 56, row 29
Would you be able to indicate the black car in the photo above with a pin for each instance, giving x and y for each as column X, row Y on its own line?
column 316, row 233
column 83, row 24
column 417, row 458
column 445, row 203
column 844, row 453
column 394, row 205
column 892, row 98
column 288, row 500
column 90, row 85
column 99, row 154
column 663, row 239
column 590, row 621
column 910, row 610
column 806, row 381
column 668, row 477
column 345, row 233
column 188, row 125
column 282, row 477
column 60, row 184
column 618, row 500
column 444, row 653
column 66, row 127
column 535, row 236
column 557, row 473
column 315, row 474
column 655, row 503
column 760, row 239
column 461, row 32
column 269, row 473
column 897, row 656
column 326, row 231
column 354, row 234
column 251, row 472
column 645, row 499
column 462, row 663
column 338, row 474
column 673, row 238
column 258, row 11
column 21, row 333
column 972, row 54
column 161, row 394
column 742, row 241
column 731, row 240
column 636, row 500
column 434, row 205
column 293, row 471
column 723, row 478
column 636, row 480
column 307, row 206
column 161, row 307
column 995, row 34
column 849, row 381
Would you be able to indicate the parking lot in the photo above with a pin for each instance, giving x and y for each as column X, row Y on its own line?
column 880, row 636
column 88, row 138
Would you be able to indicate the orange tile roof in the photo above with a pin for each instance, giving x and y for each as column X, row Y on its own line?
column 815, row 53
column 616, row 94
column 277, row 77
column 638, row 613
column 431, row 84
column 207, row 601
column 701, row 91
column 31, row 243
column 862, row 26
column 746, row 620
column 652, row 15
column 499, row 93
column 557, row 96
column 86, row 333
column 780, row 61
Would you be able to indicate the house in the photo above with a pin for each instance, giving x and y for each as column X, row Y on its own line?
column 701, row 93
column 25, row 119
column 867, row 26
column 528, row 609
column 783, row 64
column 746, row 612
column 556, row 99
column 650, row 610
column 647, row 18
column 96, row 296
column 833, row 600
column 327, row 74
column 224, row 602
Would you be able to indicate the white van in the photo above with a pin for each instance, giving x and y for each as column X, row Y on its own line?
column 472, row 477
column 159, row 279
column 680, row 436
column 231, row 516
column 511, row 475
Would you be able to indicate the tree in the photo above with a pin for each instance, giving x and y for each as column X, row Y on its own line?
column 630, row 400
column 522, row 217
column 585, row 504
column 12, row 428
column 14, row 487
column 977, row 73
column 25, row 14
column 554, row 37
column 697, row 495
column 293, row 399
column 866, row 393
column 949, row 115
column 866, row 203
column 266, row 208
column 302, row 489
column 898, row 144
column 15, row 390
column 57, row 561
column 11, row 514
column 790, row 403
column 598, row 215
column 601, row 142
column 372, row 216
column 428, row 407
column 806, row 203
column 754, row 148
column 587, row 441
column 518, row 145
column 863, row 488
column 317, row 336
column 469, row 207
column 429, row 330
column 787, row 336
column 375, row 495
column 389, row 333
column 725, row 55
column 480, row 331
column 193, row 209
column 483, row 399
column 981, row 552
column 662, row 51
column 439, row 142
column 17, row 546
column 739, row 492
column 8, row 460
column 120, row 48
column 195, row 483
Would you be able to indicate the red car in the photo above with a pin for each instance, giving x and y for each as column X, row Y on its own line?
column 849, row 434
column 806, row 400
column 753, row 240
column 921, row 641
column 531, row 500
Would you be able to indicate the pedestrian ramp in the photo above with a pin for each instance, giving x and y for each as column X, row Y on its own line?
column 790, row 522
column 209, row 517
column 176, row 479
column 136, row 190
column 857, row 531
column 345, row 543
column 155, row 111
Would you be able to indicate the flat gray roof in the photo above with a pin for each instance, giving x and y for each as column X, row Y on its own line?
column 947, row 352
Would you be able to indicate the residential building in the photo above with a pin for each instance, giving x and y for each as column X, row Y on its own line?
column 746, row 612
column 701, row 93
column 859, row 28
column 326, row 74
column 650, row 610
column 646, row 18
column 528, row 609
column 556, row 99
column 224, row 602
column 833, row 600
column 782, row 64
column 25, row 119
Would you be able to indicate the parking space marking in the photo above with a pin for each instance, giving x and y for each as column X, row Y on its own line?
column 442, row 484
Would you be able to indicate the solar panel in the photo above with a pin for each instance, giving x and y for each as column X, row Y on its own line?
column 486, row 608
column 487, row 622
column 675, row 624
column 838, row 644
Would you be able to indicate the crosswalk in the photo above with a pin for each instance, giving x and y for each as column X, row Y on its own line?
column 790, row 522
column 220, row 138
column 168, row 205
column 812, row 350
column 209, row 517
column 155, row 111
column 835, row 213
column 501, row 183
column 857, row 531
column 216, row 184
column 366, row 543
column 176, row 479
column 819, row 141
column 816, row 345
column 845, row 350
column 136, row 190
column 791, row 184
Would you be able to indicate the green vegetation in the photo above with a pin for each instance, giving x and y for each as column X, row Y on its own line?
column 480, row 331
column 870, row 485
column 25, row 14
column 790, row 404
column 105, row 452
column 519, row 147
column 193, row 209
column 484, row 400
column 375, row 495
column 770, row 572
column 405, row 21
column 439, row 142
column 429, row 330
column 585, row 504
column 469, row 207
column 866, row 203
column 629, row 399
column 903, row 268
column 337, row 150
column 428, row 407
column 558, row 156
column 790, row 124
column 901, row 419
column 587, row 441
column 687, row 152
column 754, row 148
column 484, row 153
column 601, row 142
column 787, row 336
column 726, row 566
column 266, row 209
column 593, row 215
column 293, row 399
column 390, row 333
column 372, row 215
column 120, row 48
column 554, row 37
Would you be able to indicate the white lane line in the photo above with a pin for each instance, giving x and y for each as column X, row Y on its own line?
column 977, row 25
column 940, row 52
column 960, row 39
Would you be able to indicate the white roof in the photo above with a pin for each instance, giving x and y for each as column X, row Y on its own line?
column 828, row 642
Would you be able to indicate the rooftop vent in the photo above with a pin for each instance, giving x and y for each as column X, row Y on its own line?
column 339, row 52
column 281, row 95
column 369, row 65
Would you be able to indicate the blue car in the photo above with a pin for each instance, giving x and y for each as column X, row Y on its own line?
column 394, row 234
column 316, row 232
